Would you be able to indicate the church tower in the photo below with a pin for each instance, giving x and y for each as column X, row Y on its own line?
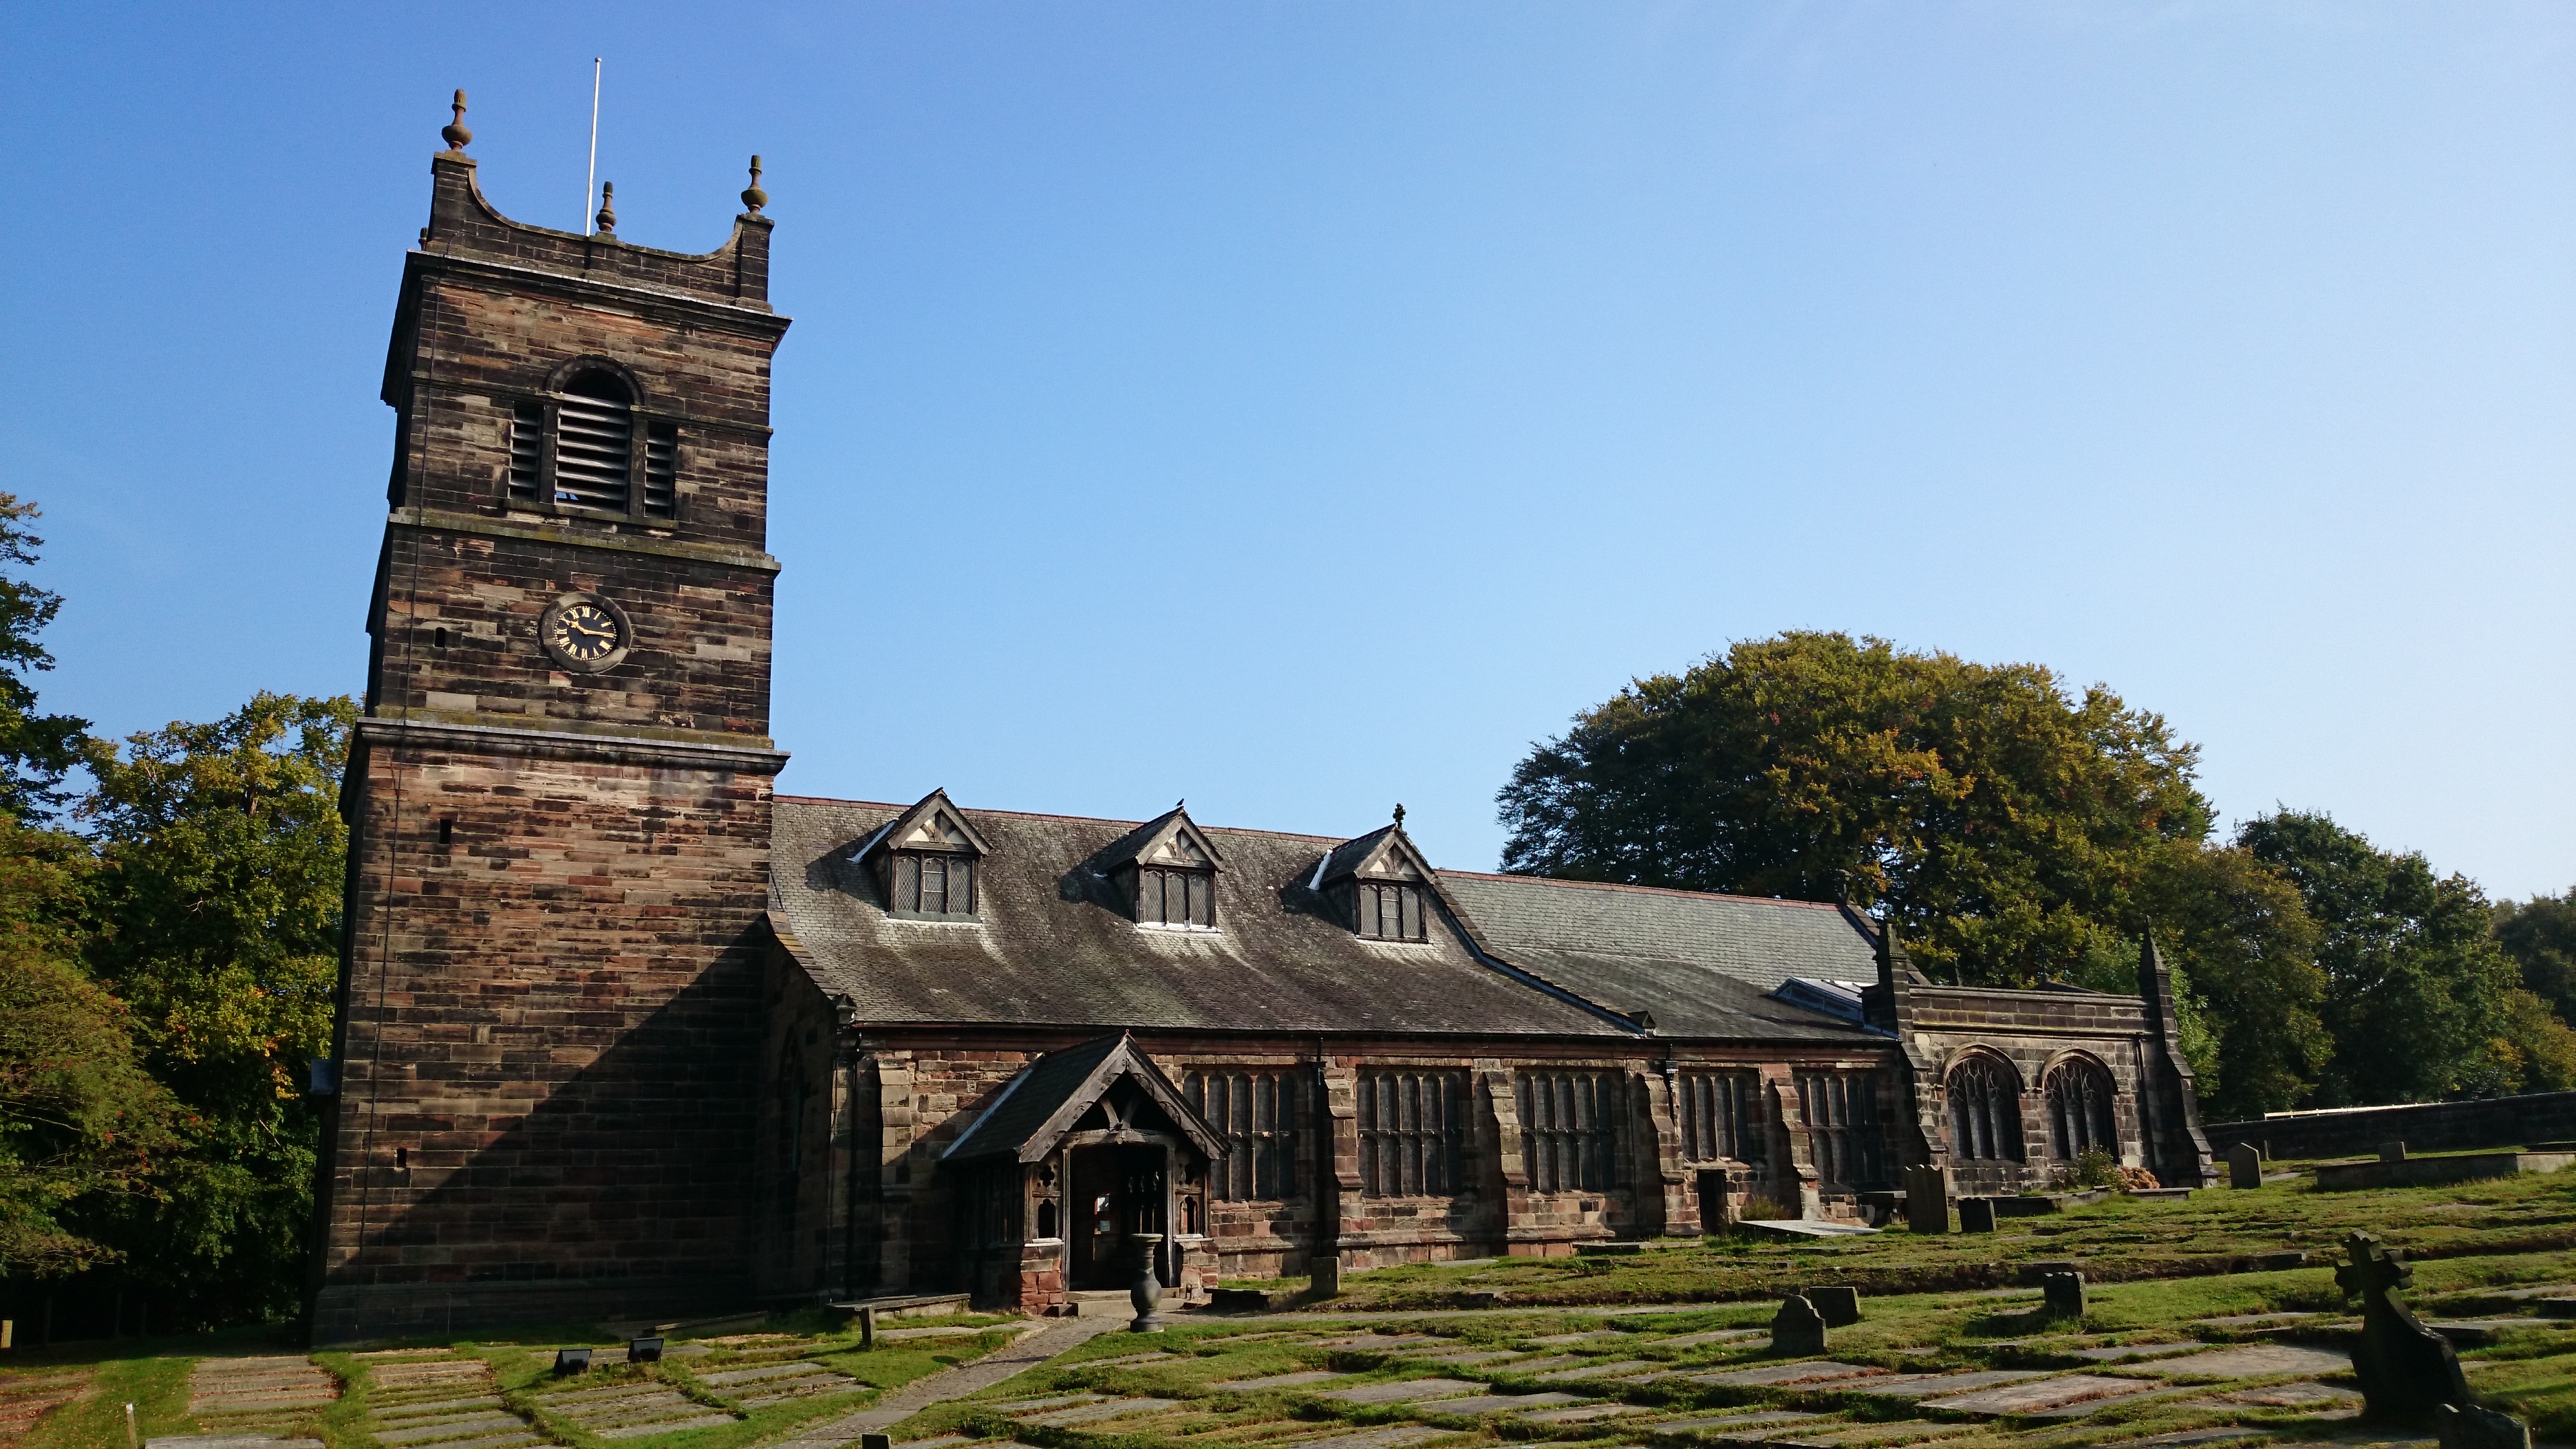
column 559, row 796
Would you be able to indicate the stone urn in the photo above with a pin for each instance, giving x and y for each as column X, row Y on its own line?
column 1148, row 1292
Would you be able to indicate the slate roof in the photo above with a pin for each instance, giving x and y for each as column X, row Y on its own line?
column 1051, row 949
column 1704, row 965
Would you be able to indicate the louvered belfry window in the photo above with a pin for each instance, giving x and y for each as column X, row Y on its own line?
column 527, row 437
column 1391, row 912
column 661, row 470
column 1176, row 897
column 1717, row 1116
column 594, row 443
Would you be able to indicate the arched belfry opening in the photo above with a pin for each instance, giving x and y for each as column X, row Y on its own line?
column 1085, row 1167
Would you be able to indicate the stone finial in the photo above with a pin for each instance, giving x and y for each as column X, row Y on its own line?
column 1399, row 817
column 753, row 198
column 606, row 221
column 454, row 132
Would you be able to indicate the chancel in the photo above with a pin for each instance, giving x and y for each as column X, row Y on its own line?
column 626, row 1034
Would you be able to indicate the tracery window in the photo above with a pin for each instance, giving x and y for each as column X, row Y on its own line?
column 1841, row 1110
column 1570, row 1130
column 1167, row 897
column 1390, row 911
column 1256, row 1113
column 1412, row 1126
column 1985, row 1111
column 2079, row 1109
column 1718, row 1116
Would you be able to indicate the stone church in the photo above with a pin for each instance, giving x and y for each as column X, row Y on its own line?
column 623, row 1032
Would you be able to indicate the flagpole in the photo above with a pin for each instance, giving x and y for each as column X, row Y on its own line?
column 590, row 180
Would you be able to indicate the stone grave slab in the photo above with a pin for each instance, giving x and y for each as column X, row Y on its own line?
column 2217, row 1435
column 1762, row 1420
column 2086, row 1408
column 2470, row 1332
column 2123, row 1352
column 1046, row 1401
column 1393, row 1436
column 2322, row 1401
column 2250, row 1360
column 1127, row 1360
column 1279, row 1381
column 2036, row 1396
column 705, row 1418
column 1813, row 1371
column 1465, row 1356
column 2258, row 1320
column 1533, row 1365
column 1559, row 1340
column 227, row 1441
column 1092, row 1413
column 1806, row 1228
column 1496, row 1403
column 468, row 1426
column 1584, row 1414
column 1710, row 1335
column 1403, row 1389
column 1598, row 1370
column 1925, row 1386
column 1367, row 1341
column 1885, row 1433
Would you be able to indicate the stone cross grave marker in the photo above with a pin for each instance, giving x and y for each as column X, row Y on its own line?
column 2404, row 1367
column 2245, row 1165
column 1797, row 1327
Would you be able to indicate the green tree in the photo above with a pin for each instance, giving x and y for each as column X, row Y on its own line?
column 2415, row 984
column 2238, row 932
column 2005, row 819
column 217, row 901
column 36, row 750
column 2540, row 936
column 2538, row 1048
column 82, row 1126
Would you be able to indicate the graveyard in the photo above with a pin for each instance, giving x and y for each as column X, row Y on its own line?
column 2225, row 1316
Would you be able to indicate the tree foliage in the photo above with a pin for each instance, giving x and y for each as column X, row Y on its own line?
column 36, row 750
column 2005, row 819
column 216, row 916
column 2238, row 932
column 2415, row 984
column 2540, row 937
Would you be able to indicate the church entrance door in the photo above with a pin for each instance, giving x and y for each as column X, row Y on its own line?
column 1117, row 1193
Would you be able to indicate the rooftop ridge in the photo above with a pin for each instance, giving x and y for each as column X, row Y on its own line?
column 1080, row 819
column 1612, row 885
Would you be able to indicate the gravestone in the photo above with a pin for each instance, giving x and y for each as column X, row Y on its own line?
column 1797, row 1328
column 2392, row 1152
column 2404, row 1367
column 2244, row 1165
column 1839, row 1306
column 2475, row 1428
column 1976, row 1215
column 2061, row 1295
column 1324, row 1276
column 1927, row 1200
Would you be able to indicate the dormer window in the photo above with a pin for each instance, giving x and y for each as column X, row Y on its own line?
column 927, row 862
column 1167, row 897
column 933, row 885
column 1391, row 911
column 1379, row 885
column 1163, row 872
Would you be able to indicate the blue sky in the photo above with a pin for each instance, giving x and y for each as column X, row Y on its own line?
column 1304, row 407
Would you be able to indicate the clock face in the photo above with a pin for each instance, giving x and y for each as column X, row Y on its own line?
column 585, row 632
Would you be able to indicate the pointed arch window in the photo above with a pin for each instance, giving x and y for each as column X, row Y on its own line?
column 2080, row 1118
column 1985, row 1111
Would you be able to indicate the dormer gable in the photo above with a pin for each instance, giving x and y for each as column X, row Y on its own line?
column 1379, row 885
column 927, row 862
column 1164, row 873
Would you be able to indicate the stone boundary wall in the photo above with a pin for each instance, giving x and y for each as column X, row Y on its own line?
column 2422, row 1126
